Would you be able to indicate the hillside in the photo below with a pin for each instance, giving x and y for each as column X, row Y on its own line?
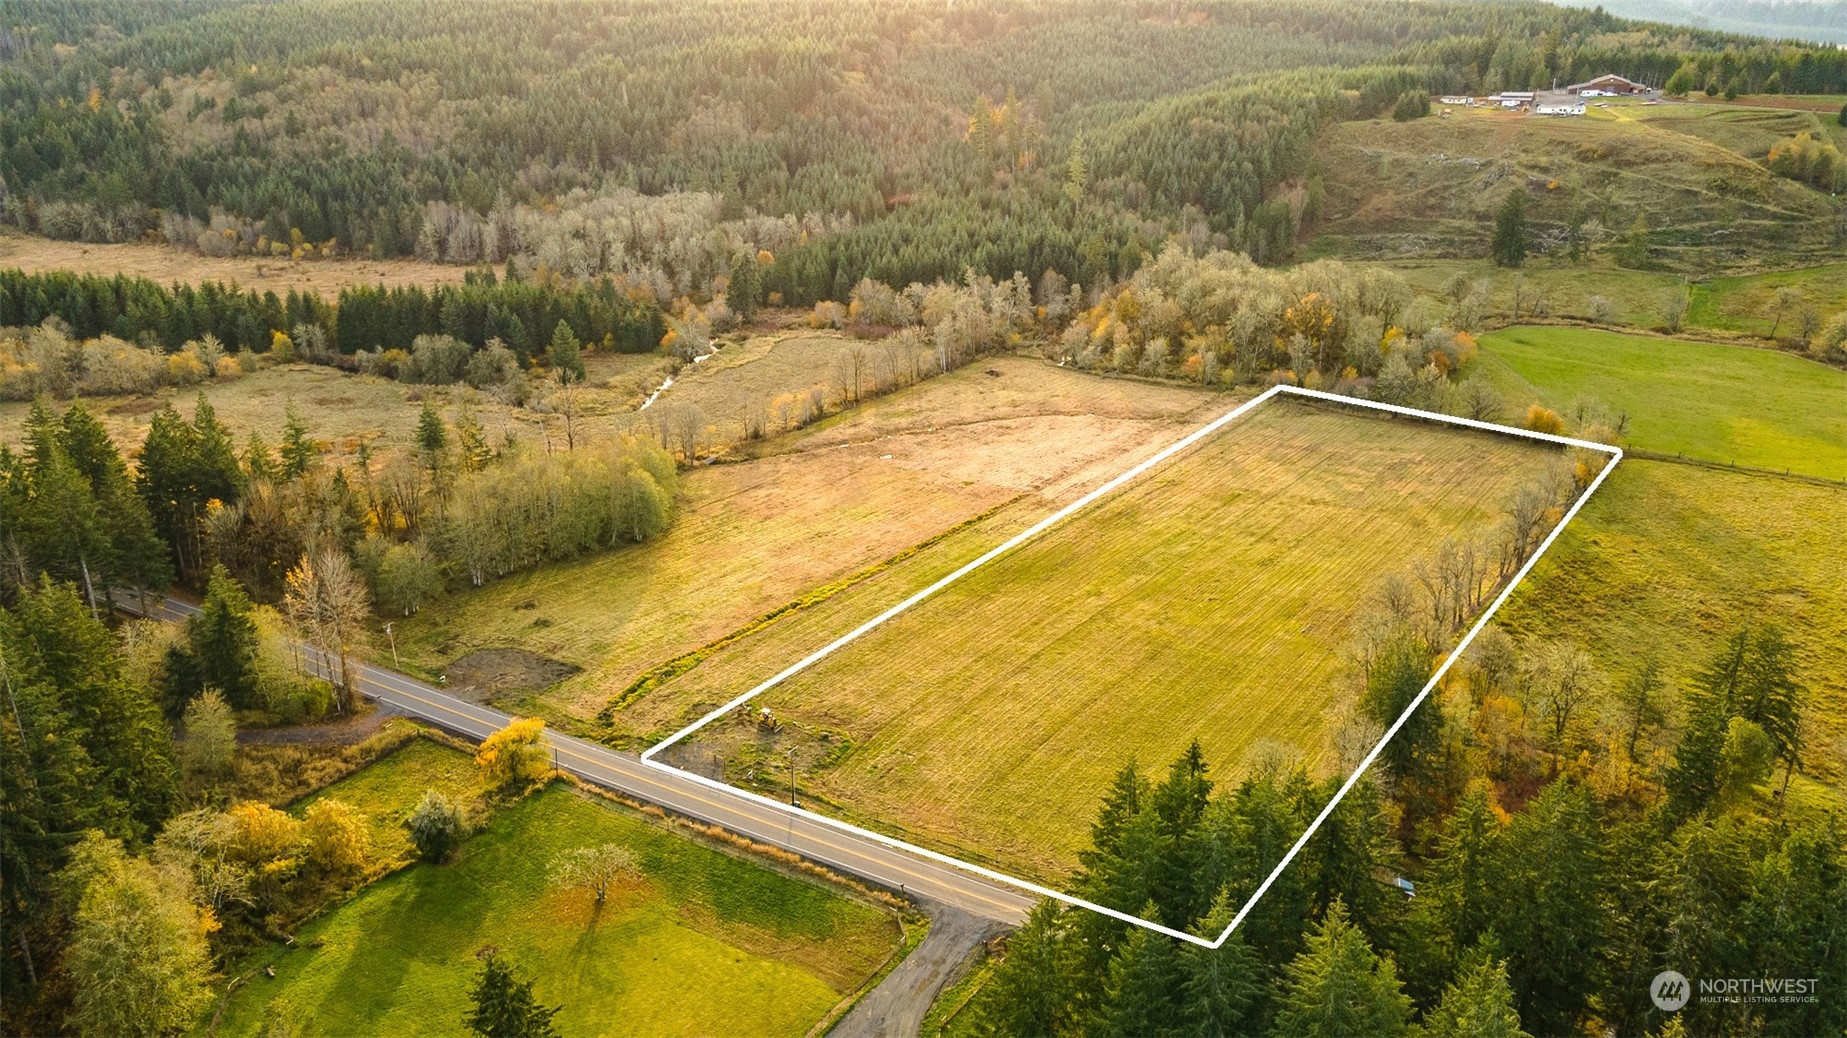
column 1692, row 173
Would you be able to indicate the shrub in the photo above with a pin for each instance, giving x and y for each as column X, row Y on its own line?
column 436, row 827
column 1543, row 420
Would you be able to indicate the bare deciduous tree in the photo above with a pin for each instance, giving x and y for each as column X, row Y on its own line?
column 595, row 869
column 326, row 601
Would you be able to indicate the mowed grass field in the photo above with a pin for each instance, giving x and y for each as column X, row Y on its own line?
column 1207, row 600
column 1726, row 404
column 831, row 500
column 700, row 943
column 1668, row 560
column 749, row 376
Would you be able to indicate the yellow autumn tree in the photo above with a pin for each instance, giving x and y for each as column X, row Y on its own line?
column 516, row 753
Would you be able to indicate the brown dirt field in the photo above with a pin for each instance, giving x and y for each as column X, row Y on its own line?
column 819, row 505
column 167, row 265
column 485, row 673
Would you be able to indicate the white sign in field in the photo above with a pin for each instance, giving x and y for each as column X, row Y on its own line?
column 1615, row 455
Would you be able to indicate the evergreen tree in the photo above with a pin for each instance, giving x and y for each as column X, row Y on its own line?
column 1032, row 991
column 59, row 527
column 744, row 292
column 1140, row 997
column 432, row 437
column 1221, row 989
column 139, row 557
column 224, row 642
column 1461, row 888
column 1337, row 987
column 503, row 1006
column 259, row 463
column 1510, row 232
column 1553, row 927
column 299, row 454
column 566, row 354
column 1480, row 1004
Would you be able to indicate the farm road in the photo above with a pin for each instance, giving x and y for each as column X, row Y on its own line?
column 896, row 1008
column 871, row 861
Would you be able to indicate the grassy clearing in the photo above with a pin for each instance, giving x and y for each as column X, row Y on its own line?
column 701, row 943
column 1211, row 604
column 31, row 253
column 1429, row 187
column 1723, row 307
column 1719, row 403
column 387, row 790
column 839, row 497
column 748, row 376
column 342, row 408
column 1668, row 559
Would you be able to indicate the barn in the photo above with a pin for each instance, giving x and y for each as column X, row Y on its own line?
column 1610, row 85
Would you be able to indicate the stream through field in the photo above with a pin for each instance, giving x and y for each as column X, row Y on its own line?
column 701, row 359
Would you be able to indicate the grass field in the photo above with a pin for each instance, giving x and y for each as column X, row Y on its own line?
column 748, row 376
column 1743, row 304
column 1668, row 559
column 701, row 943
column 165, row 265
column 1211, row 603
column 387, row 790
column 837, row 497
column 1429, row 187
column 1720, row 403
column 340, row 408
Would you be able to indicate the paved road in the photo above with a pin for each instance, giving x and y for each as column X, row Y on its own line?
column 881, row 865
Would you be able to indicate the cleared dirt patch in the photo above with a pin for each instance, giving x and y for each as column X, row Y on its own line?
column 486, row 673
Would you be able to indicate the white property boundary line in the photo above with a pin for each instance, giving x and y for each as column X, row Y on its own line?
column 1055, row 518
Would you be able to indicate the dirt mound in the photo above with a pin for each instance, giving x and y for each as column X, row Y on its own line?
column 486, row 673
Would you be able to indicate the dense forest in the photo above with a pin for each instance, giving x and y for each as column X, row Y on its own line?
column 661, row 142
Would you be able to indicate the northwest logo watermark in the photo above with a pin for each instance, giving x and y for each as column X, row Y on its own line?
column 1671, row 990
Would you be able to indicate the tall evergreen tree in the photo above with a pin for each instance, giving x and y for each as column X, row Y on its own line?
column 299, row 453
column 1032, row 991
column 224, row 642
column 1221, row 989
column 139, row 557
column 1141, row 996
column 1510, row 232
column 1553, row 927
column 1338, row 987
column 1480, row 1004
column 566, row 353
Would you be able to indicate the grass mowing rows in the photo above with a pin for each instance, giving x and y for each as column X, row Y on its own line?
column 1719, row 403
column 1210, row 601
column 701, row 943
column 838, row 497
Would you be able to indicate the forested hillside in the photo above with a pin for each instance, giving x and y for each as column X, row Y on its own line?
column 663, row 143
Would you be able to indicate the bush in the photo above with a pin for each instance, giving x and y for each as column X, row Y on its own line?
column 1412, row 104
column 436, row 827
column 1543, row 420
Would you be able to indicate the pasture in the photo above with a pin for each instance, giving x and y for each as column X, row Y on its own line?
column 342, row 408
column 1726, row 404
column 1669, row 559
column 1212, row 601
column 167, row 265
column 700, row 942
column 832, row 500
column 1429, row 187
column 387, row 791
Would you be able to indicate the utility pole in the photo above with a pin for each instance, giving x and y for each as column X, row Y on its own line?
column 394, row 648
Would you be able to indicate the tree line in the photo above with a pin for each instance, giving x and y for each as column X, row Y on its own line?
column 521, row 313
